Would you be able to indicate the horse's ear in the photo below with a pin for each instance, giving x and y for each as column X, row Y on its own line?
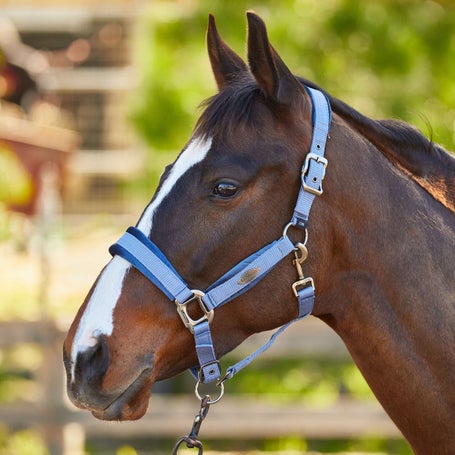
column 271, row 73
column 226, row 64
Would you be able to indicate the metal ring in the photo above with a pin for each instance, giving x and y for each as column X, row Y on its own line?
column 306, row 237
column 190, row 443
column 285, row 230
column 210, row 401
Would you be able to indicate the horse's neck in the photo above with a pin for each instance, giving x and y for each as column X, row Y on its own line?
column 394, row 287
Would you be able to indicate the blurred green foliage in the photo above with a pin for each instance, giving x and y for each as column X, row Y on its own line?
column 17, row 365
column 316, row 382
column 24, row 442
column 385, row 58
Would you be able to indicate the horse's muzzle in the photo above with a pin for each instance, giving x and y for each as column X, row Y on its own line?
column 85, row 386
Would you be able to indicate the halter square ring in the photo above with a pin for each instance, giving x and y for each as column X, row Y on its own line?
column 182, row 310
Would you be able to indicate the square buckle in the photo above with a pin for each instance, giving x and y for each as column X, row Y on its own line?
column 319, row 160
column 301, row 284
column 182, row 310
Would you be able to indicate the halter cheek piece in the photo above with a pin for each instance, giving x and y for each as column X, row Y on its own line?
column 146, row 257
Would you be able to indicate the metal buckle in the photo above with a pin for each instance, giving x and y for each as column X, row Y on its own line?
column 212, row 371
column 320, row 160
column 182, row 310
column 304, row 283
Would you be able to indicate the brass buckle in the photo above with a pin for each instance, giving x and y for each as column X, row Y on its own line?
column 320, row 160
column 182, row 310
column 300, row 284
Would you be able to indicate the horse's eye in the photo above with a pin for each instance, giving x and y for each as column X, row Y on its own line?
column 224, row 190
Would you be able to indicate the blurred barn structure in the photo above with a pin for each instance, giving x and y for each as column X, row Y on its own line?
column 80, row 59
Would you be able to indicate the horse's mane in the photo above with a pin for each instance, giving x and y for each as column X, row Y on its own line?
column 427, row 163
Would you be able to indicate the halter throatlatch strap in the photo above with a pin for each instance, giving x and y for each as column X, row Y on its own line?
column 145, row 256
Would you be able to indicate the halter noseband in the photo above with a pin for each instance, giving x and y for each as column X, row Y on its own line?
column 146, row 257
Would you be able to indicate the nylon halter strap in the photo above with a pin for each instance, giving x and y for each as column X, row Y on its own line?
column 145, row 256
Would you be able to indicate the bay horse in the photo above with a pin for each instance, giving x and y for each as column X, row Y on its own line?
column 380, row 239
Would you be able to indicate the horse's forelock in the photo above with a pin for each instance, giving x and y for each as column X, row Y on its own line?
column 234, row 105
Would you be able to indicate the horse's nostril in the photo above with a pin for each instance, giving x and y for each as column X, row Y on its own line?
column 92, row 364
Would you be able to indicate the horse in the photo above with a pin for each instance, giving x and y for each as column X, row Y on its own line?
column 380, row 240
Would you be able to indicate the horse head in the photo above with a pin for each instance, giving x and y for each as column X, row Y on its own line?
column 230, row 192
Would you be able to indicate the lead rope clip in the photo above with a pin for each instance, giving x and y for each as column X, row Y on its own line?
column 192, row 440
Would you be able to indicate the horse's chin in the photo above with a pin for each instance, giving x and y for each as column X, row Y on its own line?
column 131, row 404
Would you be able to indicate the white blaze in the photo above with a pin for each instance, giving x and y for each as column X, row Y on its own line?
column 195, row 152
column 98, row 315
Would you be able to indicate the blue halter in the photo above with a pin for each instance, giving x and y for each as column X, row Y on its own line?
column 146, row 257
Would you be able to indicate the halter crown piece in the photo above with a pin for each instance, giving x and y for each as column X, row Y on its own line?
column 146, row 257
